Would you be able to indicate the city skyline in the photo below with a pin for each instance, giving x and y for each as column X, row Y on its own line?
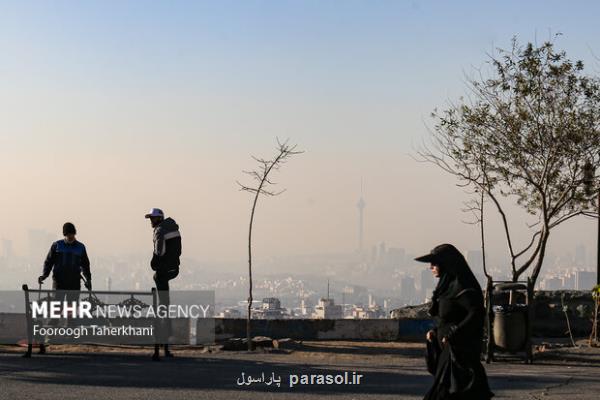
column 109, row 112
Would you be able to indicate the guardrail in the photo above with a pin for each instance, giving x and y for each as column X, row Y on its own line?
column 92, row 298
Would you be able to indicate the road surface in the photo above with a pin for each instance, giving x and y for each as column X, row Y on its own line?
column 389, row 371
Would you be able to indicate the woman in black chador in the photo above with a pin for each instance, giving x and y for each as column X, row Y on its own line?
column 454, row 346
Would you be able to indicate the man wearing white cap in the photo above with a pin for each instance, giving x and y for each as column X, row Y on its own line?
column 165, row 257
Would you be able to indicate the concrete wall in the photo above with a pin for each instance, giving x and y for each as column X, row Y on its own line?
column 549, row 319
column 13, row 328
column 410, row 325
column 317, row 329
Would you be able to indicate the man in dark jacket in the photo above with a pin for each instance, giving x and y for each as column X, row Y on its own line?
column 67, row 259
column 167, row 248
column 165, row 257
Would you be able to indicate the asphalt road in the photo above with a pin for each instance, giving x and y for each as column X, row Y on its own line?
column 388, row 373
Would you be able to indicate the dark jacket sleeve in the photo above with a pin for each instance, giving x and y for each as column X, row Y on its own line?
column 50, row 261
column 472, row 302
column 85, row 265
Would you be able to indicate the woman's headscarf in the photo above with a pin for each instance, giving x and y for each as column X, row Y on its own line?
column 455, row 274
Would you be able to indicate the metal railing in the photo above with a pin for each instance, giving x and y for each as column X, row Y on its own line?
column 133, row 297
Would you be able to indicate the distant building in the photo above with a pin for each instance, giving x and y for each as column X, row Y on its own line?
column 585, row 280
column 372, row 302
column 372, row 311
column 270, row 309
column 327, row 309
column 305, row 307
column 427, row 284
column 271, row 303
column 407, row 289
column 387, row 305
column 568, row 281
column 552, row 283
column 230, row 313
column 361, row 312
column 354, row 293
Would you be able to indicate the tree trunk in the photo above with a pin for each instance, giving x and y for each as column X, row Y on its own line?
column 540, row 258
column 250, row 298
column 482, row 232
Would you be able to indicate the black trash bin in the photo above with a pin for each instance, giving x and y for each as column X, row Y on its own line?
column 509, row 318
column 511, row 327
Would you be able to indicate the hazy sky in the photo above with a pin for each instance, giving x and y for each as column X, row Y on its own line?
column 110, row 108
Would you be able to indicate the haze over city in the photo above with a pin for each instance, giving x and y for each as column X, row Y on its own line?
column 109, row 110
column 217, row 199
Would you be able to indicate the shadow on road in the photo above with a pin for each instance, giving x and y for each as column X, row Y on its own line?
column 361, row 349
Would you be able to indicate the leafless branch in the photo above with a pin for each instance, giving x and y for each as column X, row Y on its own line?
column 262, row 176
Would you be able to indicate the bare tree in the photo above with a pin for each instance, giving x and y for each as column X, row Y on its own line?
column 528, row 133
column 263, row 184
